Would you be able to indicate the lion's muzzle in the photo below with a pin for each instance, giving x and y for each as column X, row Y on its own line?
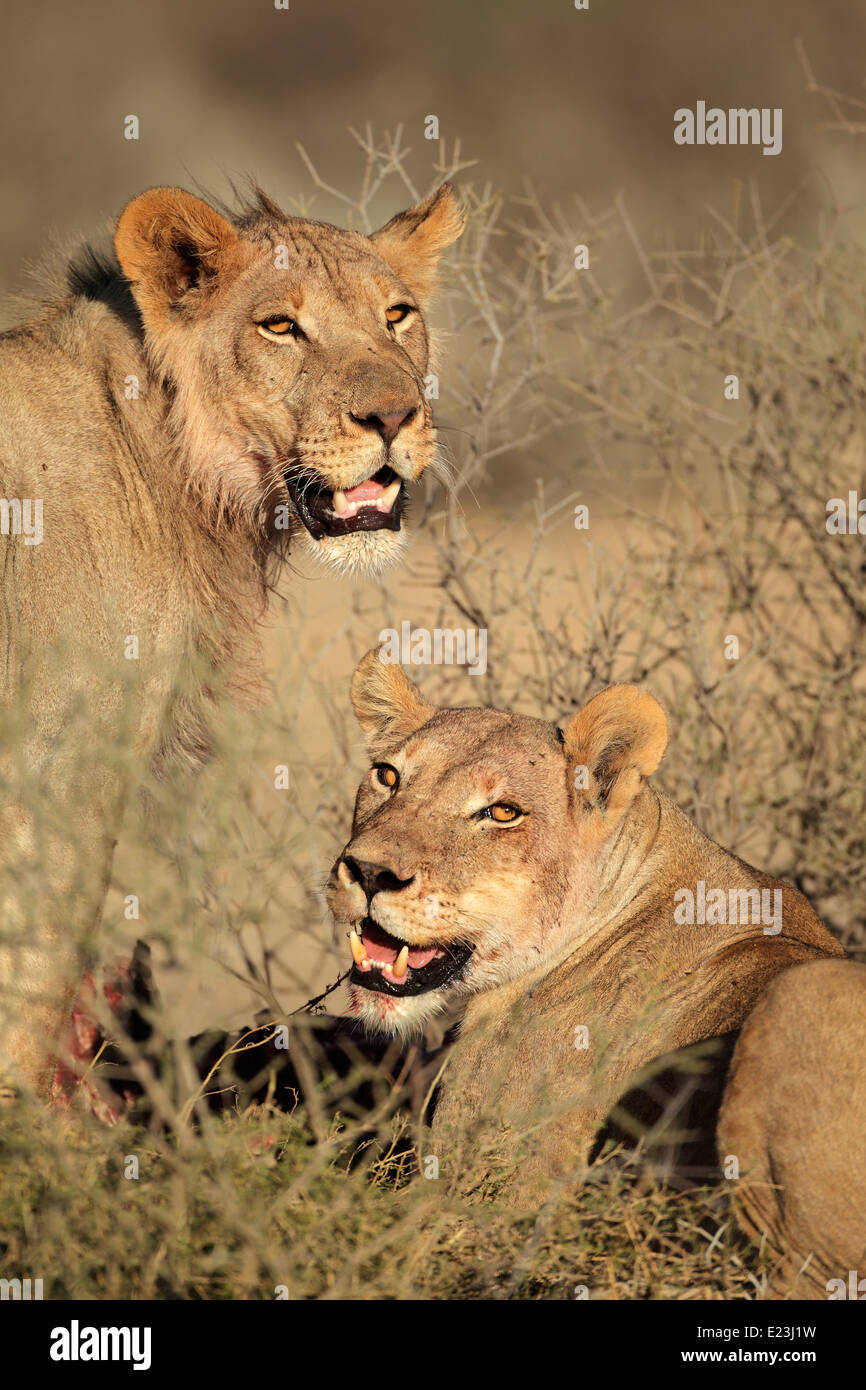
column 375, row 504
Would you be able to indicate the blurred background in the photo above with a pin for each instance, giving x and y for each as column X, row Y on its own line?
column 580, row 101
column 559, row 120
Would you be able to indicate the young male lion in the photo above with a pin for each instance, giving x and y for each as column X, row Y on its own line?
column 534, row 878
column 169, row 419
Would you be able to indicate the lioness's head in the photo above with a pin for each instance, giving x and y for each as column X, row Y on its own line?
column 479, row 839
column 295, row 354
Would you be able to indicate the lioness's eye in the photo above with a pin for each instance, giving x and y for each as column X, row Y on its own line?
column 386, row 775
column 398, row 312
column 502, row 813
column 278, row 327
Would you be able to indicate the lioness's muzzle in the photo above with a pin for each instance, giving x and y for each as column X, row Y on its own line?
column 385, row 963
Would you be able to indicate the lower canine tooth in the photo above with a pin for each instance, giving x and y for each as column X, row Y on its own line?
column 340, row 503
column 387, row 499
column 359, row 955
column 401, row 964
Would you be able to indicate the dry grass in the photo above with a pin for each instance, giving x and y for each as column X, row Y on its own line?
column 250, row 1205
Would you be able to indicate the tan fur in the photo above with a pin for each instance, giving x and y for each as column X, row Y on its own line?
column 570, row 911
column 794, row 1118
column 155, row 421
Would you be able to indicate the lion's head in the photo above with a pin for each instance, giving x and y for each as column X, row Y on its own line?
column 295, row 355
column 479, row 839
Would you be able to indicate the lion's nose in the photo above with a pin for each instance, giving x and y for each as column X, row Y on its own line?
column 387, row 423
column 374, row 878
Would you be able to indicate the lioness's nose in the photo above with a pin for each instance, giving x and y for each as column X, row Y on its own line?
column 387, row 423
column 374, row 878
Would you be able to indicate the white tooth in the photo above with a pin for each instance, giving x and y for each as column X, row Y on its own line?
column 401, row 964
column 340, row 503
column 388, row 497
column 359, row 955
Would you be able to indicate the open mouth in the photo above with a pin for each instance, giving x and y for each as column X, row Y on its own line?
column 376, row 504
column 385, row 963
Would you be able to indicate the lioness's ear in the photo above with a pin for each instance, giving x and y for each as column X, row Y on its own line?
column 413, row 241
column 614, row 743
column 169, row 243
column 386, row 703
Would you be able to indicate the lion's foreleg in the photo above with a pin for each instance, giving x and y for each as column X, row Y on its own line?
column 53, row 878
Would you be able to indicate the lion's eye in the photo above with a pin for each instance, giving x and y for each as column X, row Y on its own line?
column 502, row 813
column 398, row 312
column 386, row 775
column 279, row 327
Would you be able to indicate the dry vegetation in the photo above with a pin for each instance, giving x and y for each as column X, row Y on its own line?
column 707, row 519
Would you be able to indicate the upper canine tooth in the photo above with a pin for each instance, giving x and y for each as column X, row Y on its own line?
column 359, row 955
column 340, row 503
column 401, row 964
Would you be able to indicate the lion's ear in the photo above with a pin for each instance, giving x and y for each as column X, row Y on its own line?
column 612, row 744
column 413, row 241
column 170, row 243
column 386, row 703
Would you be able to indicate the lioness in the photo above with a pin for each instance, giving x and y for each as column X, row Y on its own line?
column 537, row 879
column 794, row 1117
column 171, row 417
